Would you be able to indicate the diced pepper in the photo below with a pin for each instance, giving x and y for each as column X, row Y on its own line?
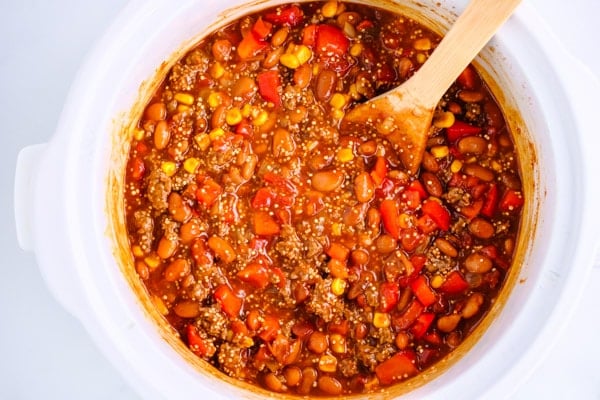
column 309, row 35
column 410, row 315
column 491, row 201
column 264, row 198
column 390, row 215
column 472, row 210
column 255, row 274
column 461, row 129
column 269, row 86
column 398, row 367
column 137, row 168
column 511, row 200
column 454, row 283
column 422, row 324
column 261, row 28
column 364, row 25
column 389, row 292
column 290, row 15
column 438, row 213
column 250, row 46
column 379, row 171
column 230, row 303
column 426, row 225
column 468, row 78
column 411, row 198
column 264, row 224
column 269, row 328
column 417, row 186
column 338, row 251
column 208, row 192
column 196, row 343
column 331, row 40
column 422, row 291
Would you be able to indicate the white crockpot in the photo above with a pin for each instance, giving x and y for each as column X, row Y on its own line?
column 68, row 198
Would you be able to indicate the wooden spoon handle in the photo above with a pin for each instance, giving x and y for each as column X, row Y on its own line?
column 471, row 31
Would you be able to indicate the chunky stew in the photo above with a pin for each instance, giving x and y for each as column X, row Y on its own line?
column 297, row 255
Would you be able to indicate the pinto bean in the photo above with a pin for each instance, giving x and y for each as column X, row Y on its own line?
column 280, row 36
column 430, row 163
column 483, row 173
column 472, row 145
column 432, row 184
column 364, row 187
column 303, row 76
column 178, row 209
column 446, row 247
column 166, row 247
column 177, row 269
column 309, row 377
column 156, row 111
column 472, row 305
column 326, row 81
column 478, row 263
column 327, row 181
column 448, row 323
column 317, row 342
column 481, row 228
column 273, row 383
column 293, row 376
column 470, row 96
column 329, row 385
column 222, row 249
column 221, row 49
column 385, row 244
column 161, row 135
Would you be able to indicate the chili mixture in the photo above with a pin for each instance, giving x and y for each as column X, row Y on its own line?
column 299, row 256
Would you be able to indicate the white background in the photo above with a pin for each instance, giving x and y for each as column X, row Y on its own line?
column 44, row 352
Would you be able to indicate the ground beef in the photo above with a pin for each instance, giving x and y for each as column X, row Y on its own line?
column 457, row 196
column 290, row 246
column 183, row 77
column 144, row 225
column 158, row 189
column 233, row 359
column 437, row 261
column 348, row 367
column 214, row 322
column 323, row 302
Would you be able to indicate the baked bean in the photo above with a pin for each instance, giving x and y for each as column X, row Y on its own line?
column 454, row 108
column 360, row 331
column 222, row 249
column 367, row 148
column 432, row 184
column 221, row 49
column 402, row 340
column 472, row 306
column 350, row 17
column 453, row 339
column 373, row 218
column 244, row 88
column 253, row 320
column 326, row 81
column 166, row 247
column 385, row 244
column 190, row 231
column 448, row 323
column 317, row 342
column 504, row 141
column 301, row 292
column 470, row 96
column 327, row 181
column 476, row 170
column 273, row 383
column 178, row 209
column 218, row 118
column 405, row 65
column 329, row 385
column 156, row 112
column 249, row 166
column 430, row 163
column 478, row 263
column 280, row 36
column 142, row 270
column 283, row 142
column 509, row 245
column 177, row 269
column 309, row 377
column 293, row 376
column 364, row 187
column 493, row 115
column 272, row 57
column 187, row 309
column 161, row 135
column 359, row 257
column 481, row 228
column 446, row 247
column 472, row 145
column 302, row 76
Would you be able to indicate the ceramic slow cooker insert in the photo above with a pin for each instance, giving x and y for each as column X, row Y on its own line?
column 79, row 237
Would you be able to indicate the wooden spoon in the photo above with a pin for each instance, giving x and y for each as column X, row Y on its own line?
column 404, row 114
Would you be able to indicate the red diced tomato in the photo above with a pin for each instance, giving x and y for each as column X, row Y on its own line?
column 391, row 217
column 454, row 283
column 263, row 198
column 269, row 86
column 398, row 367
column 309, row 35
column 491, row 201
column 264, row 224
column 421, row 325
column 250, row 46
column 461, row 129
column 261, row 28
column 331, row 40
column 468, row 78
column 511, row 200
column 338, row 251
column 244, row 128
column 422, row 291
column 389, row 293
column 426, row 225
column 269, row 328
column 433, row 338
column 208, row 192
column 364, row 25
column 379, row 171
column 196, row 343
column 255, row 274
column 290, row 15
column 417, row 186
column 137, row 168
column 410, row 238
column 410, row 315
column 472, row 210
column 438, row 213
column 412, row 199
column 230, row 303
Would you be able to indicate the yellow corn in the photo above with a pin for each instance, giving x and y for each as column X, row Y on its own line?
column 191, row 164
column 217, row 70
column 496, row 166
column 329, row 9
column 152, row 261
column 215, row 99
column 138, row 134
column 216, row 133
column 338, row 286
column 456, row 166
column 260, row 118
column 169, row 168
column 422, row 44
column 381, row 320
column 160, row 305
column 247, row 342
column 356, row 49
column 337, row 343
column 289, row 60
column 202, row 140
column 137, row 250
column 246, row 110
column 405, row 220
column 183, row 108
column 353, row 92
column 316, row 69
column 338, row 101
column 436, row 281
column 328, row 363
column 443, row 119
column 345, row 155
column 421, row 58
column 233, row 116
column 336, row 229
column 440, row 151
column 303, row 53
column 184, row 98
column 337, row 114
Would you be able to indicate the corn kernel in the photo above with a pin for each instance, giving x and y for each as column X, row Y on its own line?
column 337, row 114
column 138, row 134
column 247, row 342
column 496, row 166
column 261, row 118
column 381, row 320
column 246, row 110
column 345, row 155
column 353, row 92
column 336, row 229
column 216, row 133
column 137, row 251
column 152, row 261
column 215, row 99
column 443, row 119
column 328, row 363
column 202, row 140
column 329, row 9
column 436, row 281
column 169, row 168
column 440, row 151
column 183, row 108
column 217, row 70
column 422, row 44
column 233, row 116
column 191, row 165
column 338, row 286
column 337, row 343
column 356, row 49
column 405, row 221
column 289, row 60
column 184, row 98
column 421, row 58
column 456, row 166
column 160, row 305
column 338, row 100
column 303, row 54
column 316, row 69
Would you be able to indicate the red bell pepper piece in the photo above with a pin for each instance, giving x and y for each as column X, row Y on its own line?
column 364, row 25
column 331, row 40
column 410, row 315
column 264, row 224
column 255, row 274
column 390, row 216
column 269, row 328
column 196, row 343
column 230, row 303
column 338, row 251
column 468, row 78
column 491, row 201
column 422, row 291
column 511, row 200
column 208, row 192
column 422, row 324
column 461, row 129
column 472, row 210
column 289, row 15
column 269, row 86
column 417, row 186
column 400, row 366
column 263, row 198
column 309, row 35
column 261, row 28
column 250, row 46
column 454, row 283
column 379, row 171
column 389, row 293
column 438, row 213
column 137, row 168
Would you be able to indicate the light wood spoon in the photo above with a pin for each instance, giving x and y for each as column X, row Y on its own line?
column 404, row 114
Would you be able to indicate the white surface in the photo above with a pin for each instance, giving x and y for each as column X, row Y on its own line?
column 44, row 352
